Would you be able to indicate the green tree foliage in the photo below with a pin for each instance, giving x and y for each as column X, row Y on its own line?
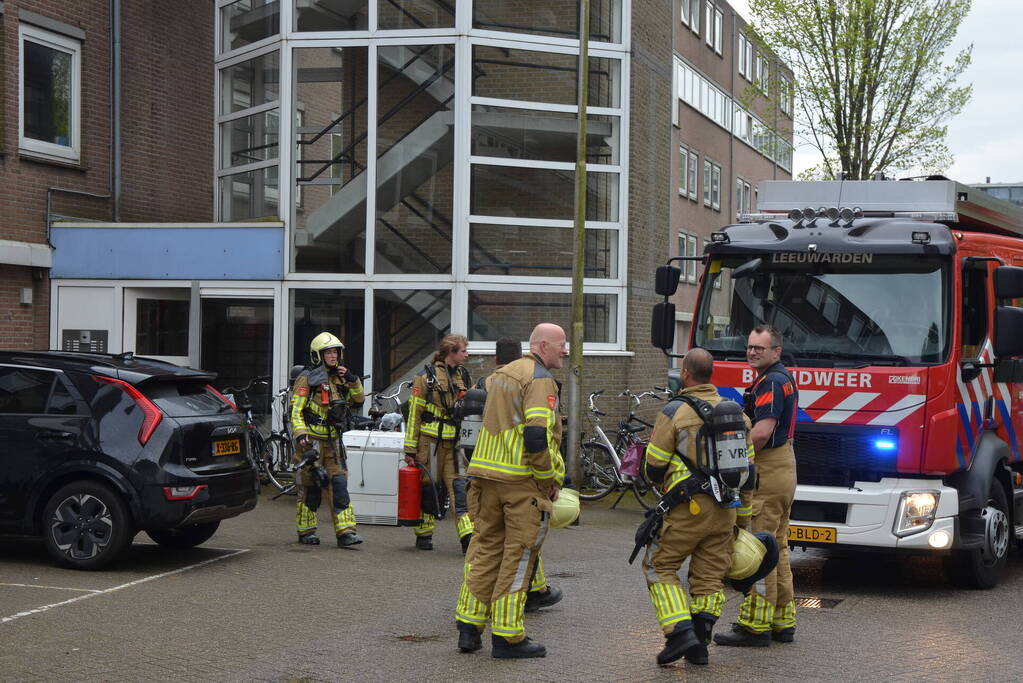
column 873, row 87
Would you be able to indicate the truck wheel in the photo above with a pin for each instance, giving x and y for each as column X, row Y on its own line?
column 184, row 536
column 86, row 525
column 982, row 567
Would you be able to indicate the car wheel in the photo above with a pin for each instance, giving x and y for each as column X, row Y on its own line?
column 86, row 525
column 184, row 536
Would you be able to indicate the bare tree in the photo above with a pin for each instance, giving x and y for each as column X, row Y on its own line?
column 873, row 88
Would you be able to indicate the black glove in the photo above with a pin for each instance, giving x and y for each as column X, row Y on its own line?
column 647, row 531
column 320, row 478
column 350, row 377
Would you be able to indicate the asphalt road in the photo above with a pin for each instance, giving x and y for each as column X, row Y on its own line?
column 254, row 605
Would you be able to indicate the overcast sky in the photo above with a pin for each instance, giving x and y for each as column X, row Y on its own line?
column 986, row 139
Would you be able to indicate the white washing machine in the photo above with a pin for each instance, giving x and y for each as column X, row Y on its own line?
column 373, row 462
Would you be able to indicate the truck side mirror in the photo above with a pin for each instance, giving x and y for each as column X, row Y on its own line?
column 666, row 280
column 662, row 327
column 1008, row 337
column 1008, row 282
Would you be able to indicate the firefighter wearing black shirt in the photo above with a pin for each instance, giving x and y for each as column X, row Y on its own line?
column 772, row 404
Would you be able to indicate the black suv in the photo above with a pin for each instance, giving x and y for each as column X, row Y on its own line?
column 96, row 447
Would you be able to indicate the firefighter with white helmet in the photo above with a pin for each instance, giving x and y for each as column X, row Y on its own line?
column 319, row 395
column 699, row 522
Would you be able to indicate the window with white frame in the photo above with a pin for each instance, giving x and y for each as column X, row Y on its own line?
column 763, row 73
column 785, row 95
column 688, row 245
column 715, row 187
column 738, row 198
column 719, row 22
column 49, row 89
column 706, row 182
column 709, row 23
column 694, row 15
column 745, row 57
column 683, row 171
column 694, row 169
column 684, row 5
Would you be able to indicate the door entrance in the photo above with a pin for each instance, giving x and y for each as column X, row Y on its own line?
column 237, row 344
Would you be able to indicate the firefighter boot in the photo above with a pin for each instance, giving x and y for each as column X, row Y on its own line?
column 784, row 635
column 500, row 648
column 424, row 542
column 741, row 636
column 703, row 625
column 536, row 600
column 348, row 539
column 309, row 539
column 677, row 643
column 465, row 540
column 468, row 637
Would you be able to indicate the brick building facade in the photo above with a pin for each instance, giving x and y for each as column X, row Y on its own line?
column 250, row 131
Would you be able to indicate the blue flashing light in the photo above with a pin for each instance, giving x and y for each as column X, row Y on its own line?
column 885, row 445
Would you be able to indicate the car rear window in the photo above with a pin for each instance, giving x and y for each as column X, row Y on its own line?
column 184, row 398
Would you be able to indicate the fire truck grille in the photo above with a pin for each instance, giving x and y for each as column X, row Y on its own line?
column 839, row 456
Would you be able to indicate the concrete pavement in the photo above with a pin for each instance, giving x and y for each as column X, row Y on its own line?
column 257, row 606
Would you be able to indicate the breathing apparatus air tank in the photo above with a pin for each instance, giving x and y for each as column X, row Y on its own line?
column 730, row 461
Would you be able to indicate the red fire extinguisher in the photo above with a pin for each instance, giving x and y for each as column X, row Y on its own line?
column 409, row 495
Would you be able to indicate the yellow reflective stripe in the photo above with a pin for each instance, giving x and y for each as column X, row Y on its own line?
column 539, row 578
column 464, row 526
column 345, row 520
column 427, row 523
column 538, row 412
column 745, row 511
column 543, row 474
column 658, row 453
column 411, row 427
column 784, row 616
column 355, row 391
column 497, row 467
column 305, row 519
column 470, row 609
column 708, row 604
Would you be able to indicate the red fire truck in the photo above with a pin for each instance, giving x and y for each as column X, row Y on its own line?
column 898, row 305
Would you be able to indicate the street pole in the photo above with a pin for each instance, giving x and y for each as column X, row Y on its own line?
column 575, row 358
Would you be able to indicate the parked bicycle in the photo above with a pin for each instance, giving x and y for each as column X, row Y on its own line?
column 271, row 451
column 601, row 458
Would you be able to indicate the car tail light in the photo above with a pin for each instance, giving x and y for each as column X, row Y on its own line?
column 151, row 414
column 219, row 395
column 182, row 492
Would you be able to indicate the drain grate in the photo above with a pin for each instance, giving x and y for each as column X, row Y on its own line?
column 816, row 603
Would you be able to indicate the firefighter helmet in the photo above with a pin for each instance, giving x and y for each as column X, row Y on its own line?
column 566, row 509
column 755, row 556
column 747, row 555
column 322, row 342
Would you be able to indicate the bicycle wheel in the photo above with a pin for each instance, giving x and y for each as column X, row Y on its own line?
column 598, row 470
column 276, row 459
column 646, row 492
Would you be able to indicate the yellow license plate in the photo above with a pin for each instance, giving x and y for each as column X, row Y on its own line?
column 812, row 534
column 227, row 447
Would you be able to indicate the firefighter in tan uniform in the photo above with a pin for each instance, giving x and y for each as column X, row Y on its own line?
column 772, row 403
column 514, row 481
column 541, row 594
column 431, row 436
column 327, row 383
column 698, row 526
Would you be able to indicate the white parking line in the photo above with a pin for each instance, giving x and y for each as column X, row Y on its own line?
column 44, row 608
column 55, row 588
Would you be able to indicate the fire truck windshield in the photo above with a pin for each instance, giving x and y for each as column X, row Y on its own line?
column 854, row 309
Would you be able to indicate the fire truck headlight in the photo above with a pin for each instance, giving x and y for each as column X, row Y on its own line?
column 916, row 512
column 940, row 539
